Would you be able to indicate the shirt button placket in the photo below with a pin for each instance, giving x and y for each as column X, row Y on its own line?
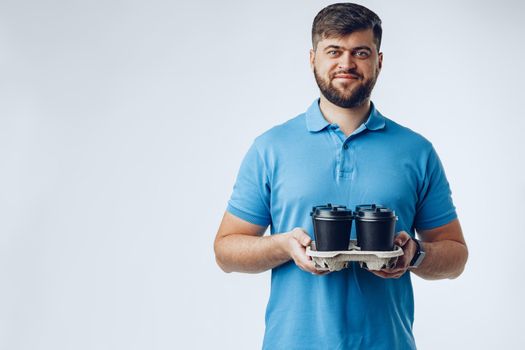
column 346, row 169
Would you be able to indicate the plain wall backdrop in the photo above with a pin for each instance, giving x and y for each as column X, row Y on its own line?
column 122, row 128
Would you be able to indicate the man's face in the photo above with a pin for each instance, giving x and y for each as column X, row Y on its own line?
column 346, row 68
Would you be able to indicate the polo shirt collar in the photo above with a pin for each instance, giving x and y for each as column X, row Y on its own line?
column 315, row 120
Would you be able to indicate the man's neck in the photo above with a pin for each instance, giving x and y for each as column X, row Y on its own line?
column 348, row 119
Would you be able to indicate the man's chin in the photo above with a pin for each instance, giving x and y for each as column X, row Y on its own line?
column 346, row 101
column 344, row 89
column 345, row 96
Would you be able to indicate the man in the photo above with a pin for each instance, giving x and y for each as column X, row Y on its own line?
column 341, row 151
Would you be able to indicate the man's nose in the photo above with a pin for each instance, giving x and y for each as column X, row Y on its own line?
column 347, row 61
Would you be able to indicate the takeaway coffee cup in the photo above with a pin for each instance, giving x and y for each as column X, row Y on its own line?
column 375, row 227
column 332, row 226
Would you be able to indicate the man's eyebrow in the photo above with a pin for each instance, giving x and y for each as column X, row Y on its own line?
column 337, row 47
column 332, row 47
column 364, row 47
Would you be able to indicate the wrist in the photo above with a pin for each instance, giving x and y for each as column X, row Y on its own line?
column 283, row 244
column 419, row 254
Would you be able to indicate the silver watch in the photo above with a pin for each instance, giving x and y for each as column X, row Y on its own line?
column 419, row 256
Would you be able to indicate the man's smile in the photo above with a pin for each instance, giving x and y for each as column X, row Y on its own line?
column 346, row 76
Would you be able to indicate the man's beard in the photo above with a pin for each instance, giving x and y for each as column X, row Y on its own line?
column 338, row 98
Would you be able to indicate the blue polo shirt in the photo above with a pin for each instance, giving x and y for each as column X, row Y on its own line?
column 307, row 162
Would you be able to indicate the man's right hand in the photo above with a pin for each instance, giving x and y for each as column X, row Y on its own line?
column 242, row 247
column 297, row 241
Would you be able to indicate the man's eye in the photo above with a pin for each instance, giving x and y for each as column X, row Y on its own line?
column 361, row 53
column 332, row 52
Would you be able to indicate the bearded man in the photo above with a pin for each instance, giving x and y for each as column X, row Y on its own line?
column 342, row 150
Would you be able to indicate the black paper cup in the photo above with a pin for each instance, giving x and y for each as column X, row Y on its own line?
column 332, row 227
column 375, row 227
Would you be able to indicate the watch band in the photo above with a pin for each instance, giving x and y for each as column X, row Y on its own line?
column 419, row 256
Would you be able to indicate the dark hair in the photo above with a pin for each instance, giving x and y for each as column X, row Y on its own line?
column 341, row 19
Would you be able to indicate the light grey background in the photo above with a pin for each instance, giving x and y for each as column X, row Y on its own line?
column 122, row 127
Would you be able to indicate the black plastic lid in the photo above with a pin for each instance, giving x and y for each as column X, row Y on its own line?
column 330, row 211
column 373, row 211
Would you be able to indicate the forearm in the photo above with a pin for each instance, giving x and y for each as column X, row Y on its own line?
column 443, row 259
column 252, row 254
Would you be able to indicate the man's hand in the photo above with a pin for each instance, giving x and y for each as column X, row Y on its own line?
column 409, row 250
column 297, row 242
column 242, row 247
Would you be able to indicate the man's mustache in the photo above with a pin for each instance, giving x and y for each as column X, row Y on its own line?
column 351, row 72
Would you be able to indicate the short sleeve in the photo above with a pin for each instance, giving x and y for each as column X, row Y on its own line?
column 434, row 207
column 250, row 199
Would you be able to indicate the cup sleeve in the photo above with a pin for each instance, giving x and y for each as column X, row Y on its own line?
column 250, row 199
column 434, row 207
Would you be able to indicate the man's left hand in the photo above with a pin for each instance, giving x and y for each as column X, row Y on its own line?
column 409, row 250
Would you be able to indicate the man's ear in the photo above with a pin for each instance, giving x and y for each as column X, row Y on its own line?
column 380, row 60
column 312, row 59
